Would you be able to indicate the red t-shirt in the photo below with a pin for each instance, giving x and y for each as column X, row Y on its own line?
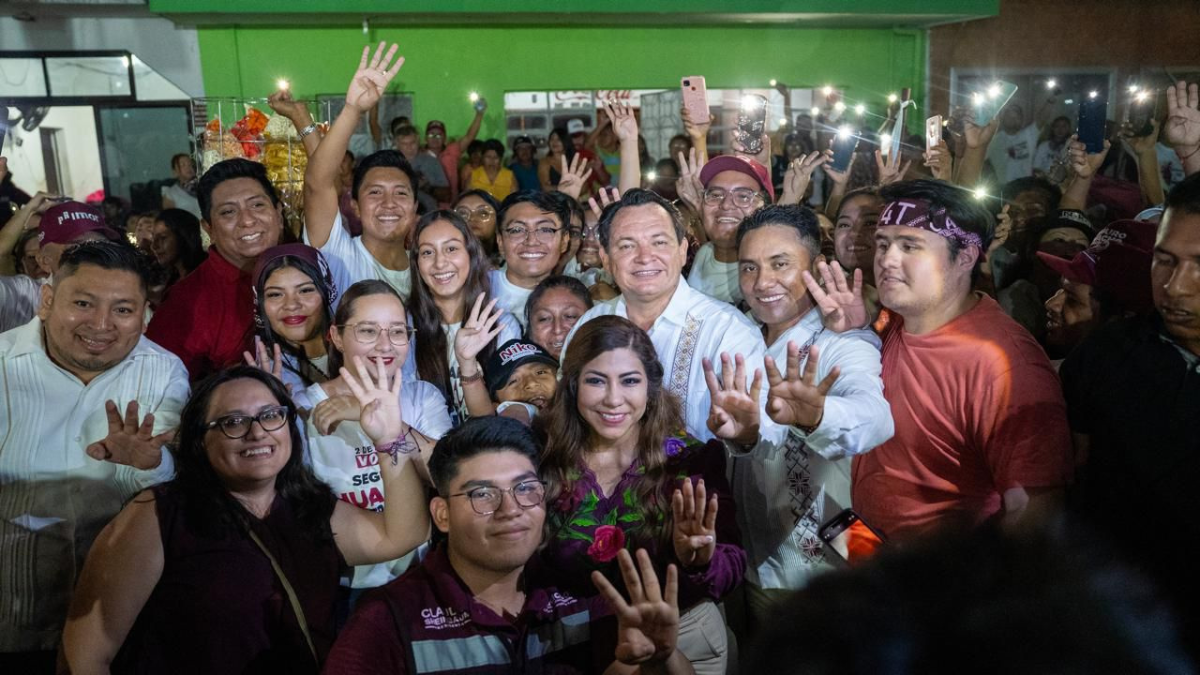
column 978, row 410
column 207, row 319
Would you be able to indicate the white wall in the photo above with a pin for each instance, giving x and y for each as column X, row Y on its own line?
column 173, row 52
column 78, row 149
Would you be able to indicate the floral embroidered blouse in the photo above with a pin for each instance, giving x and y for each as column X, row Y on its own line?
column 587, row 528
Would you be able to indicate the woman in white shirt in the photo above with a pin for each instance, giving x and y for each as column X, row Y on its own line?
column 454, row 313
column 370, row 323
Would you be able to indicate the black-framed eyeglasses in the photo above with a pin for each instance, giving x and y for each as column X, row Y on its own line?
column 368, row 333
column 487, row 500
column 483, row 213
column 236, row 427
column 543, row 233
column 742, row 197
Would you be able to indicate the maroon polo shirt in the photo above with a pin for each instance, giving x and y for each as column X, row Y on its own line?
column 207, row 318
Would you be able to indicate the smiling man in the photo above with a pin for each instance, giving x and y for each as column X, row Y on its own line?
column 532, row 237
column 75, row 380
column 980, row 422
column 1133, row 390
column 734, row 188
column 208, row 317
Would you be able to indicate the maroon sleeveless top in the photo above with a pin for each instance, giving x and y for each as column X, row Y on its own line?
column 219, row 607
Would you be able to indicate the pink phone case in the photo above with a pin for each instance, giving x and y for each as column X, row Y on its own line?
column 695, row 97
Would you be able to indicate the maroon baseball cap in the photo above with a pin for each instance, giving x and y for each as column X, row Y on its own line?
column 64, row 223
column 739, row 164
column 1117, row 261
column 435, row 124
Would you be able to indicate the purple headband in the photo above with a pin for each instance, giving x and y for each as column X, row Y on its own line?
column 306, row 253
column 919, row 213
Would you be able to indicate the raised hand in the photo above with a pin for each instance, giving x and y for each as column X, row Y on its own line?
column 128, row 442
column 481, row 326
column 892, row 170
column 1082, row 164
column 939, row 162
column 623, row 122
column 839, row 178
column 1182, row 129
column 369, row 81
column 1142, row 146
column 694, row 524
column 283, row 103
column 764, row 155
column 689, row 187
column 598, row 207
column 734, row 412
column 798, row 175
column 648, row 624
column 262, row 360
column 574, row 177
column 797, row 399
column 380, row 401
column 977, row 136
column 842, row 306
column 695, row 128
column 331, row 412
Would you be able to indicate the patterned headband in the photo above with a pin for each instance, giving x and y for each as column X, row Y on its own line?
column 919, row 213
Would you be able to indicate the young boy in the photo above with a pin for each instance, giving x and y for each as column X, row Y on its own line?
column 522, row 378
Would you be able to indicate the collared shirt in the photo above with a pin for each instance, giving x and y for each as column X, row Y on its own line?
column 54, row 499
column 351, row 262
column 784, row 498
column 428, row 621
column 716, row 278
column 207, row 319
column 19, row 299
column 509, row 296
column 693, row 327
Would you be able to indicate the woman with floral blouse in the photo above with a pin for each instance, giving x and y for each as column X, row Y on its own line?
column 623, row 475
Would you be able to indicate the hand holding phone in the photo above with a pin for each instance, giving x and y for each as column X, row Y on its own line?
column 844, row 145
column 987, row 102
column 751, row 123
column 933, row 132
column 695, row 98
column 1092, row 117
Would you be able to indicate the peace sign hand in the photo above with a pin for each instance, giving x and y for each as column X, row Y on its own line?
column 688, row 185
column 734, row 412
column 798, row 175
column 380, row 419
column 597, row 208
column 892, row 170
column 842, row 306
column 798, row 399
column 574, row 177
column 647, row 625
column 481, row 327
column 694, row 524
column 264, row 361
column 128, row 442
column 369, row 81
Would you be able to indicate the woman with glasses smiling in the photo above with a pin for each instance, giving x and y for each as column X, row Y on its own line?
column 371, row 325
column 479, row 209
column 233, row 566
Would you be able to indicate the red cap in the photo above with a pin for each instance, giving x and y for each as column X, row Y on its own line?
column 739, row 164
column 1117, row 261
column 435, row 124
column 64, row 223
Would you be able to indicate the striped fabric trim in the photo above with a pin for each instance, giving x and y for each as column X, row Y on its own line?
column 566, row 632
column 440, row 656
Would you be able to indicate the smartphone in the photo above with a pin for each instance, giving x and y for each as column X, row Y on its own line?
column 695, row 98
column 933, row 132
column 898, row 129
column 845, row 142
column 480, row 104
column 751, row 123
column 1142, row 110
column 987, row 102
column 851, row 537
column 1093, row 111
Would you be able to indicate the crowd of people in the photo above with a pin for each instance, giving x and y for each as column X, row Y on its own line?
column 563, row 416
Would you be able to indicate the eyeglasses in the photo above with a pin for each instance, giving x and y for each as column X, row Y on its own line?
column 368, row 333
column 586, row 232
column 483, row 213
column 742, row 197
column 434, row 134
column 487, row 500
column 543, row 234
column 236, row 427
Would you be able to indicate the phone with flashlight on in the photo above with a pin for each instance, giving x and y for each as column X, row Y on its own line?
column 851, row 537
column 845, row 142
column 751, row 123
column 987, row 102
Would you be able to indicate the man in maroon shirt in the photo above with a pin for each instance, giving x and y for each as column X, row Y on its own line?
column 207, row 319
column 479, row 604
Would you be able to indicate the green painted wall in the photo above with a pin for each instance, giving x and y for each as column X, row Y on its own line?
column 444, row 63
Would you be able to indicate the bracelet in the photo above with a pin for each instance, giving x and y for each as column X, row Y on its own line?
column 810, row 429
column 308, row 130
column 468, row 379
column 403, row 445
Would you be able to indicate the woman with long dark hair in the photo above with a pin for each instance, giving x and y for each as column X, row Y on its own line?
column 623, row 474
column 294, row 295
column 481, row 210
column 176, row 244
column 558, row 148
column 233, row 566
column 455, row 316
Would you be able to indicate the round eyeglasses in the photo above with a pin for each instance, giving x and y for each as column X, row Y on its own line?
column 487, row 500
column 236, row 427
column 483, row 214
column 368, row 333
column 742, row 197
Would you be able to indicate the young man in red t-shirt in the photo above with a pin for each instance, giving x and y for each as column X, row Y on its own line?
column 981, row 428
